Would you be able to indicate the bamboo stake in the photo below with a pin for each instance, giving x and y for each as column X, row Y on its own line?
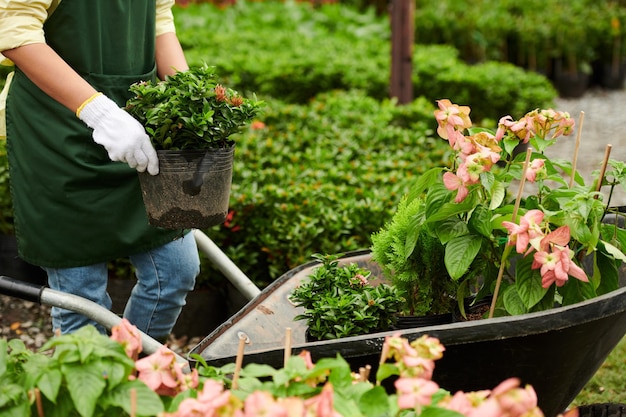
column 383, row 357
column 508, row 248
column 133, row 402
column 239, row 360
column 576, row 148
column 605, row 162
column 364, row 373
column 287, row 345
column 40, row 412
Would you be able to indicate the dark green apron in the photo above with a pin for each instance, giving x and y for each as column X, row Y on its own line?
column 73, row 206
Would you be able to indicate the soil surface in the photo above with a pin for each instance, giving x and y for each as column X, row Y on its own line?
column 603, row 122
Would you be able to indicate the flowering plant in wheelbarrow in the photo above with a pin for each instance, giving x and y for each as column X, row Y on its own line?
column 524, row 229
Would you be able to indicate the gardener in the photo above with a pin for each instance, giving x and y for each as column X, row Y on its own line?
column 73, row 152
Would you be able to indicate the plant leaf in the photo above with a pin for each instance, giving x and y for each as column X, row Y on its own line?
column 460, row 253
column 85, row 384
column 528, row 283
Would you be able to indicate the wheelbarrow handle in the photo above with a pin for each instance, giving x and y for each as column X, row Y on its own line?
column 21, row 289
column 44, row 295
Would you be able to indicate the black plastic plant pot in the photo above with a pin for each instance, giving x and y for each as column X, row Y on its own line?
column 192, row 189
column 556, row 351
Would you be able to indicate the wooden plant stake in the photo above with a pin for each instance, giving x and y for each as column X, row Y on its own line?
column 40, row 412
column 576, row 148
column 133, row 402
column 508, row 247
column 605, row 162
column 364, row 373
column 287, row 345
column 239, row 360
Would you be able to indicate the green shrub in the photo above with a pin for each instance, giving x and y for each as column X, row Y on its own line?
column 492, row 88
column 293, row 51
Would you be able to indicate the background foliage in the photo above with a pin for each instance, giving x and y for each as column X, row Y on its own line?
column 336, row 153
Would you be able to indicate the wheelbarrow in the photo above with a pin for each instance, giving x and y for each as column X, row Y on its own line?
column 47, row 296
column 536, row 347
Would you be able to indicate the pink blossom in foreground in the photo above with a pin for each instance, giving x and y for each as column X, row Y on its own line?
column 413, row 393
column 212, row 400
column 428, row 347
column 322, row 404
column 516, row 401
column 163, row 374
column 261, row 403
column 129, row 337
column 464, row 403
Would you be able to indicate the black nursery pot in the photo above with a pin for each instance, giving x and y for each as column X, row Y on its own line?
column 192, row 189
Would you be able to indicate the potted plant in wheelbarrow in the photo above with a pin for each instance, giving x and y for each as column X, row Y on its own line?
column 190, row 119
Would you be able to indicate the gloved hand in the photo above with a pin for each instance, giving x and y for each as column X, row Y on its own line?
column 121, row 135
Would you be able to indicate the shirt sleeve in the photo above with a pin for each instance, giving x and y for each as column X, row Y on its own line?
column 21, row 22
column 164, row 17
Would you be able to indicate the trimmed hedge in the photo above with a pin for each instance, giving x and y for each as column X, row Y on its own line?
column 293, row 51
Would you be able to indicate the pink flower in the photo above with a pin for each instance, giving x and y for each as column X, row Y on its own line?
column 452, row 182
column 428, row 347
column 213, row 394
column 528, row 229
column 463, row 403
column 555, row 267
column 322, row 404
column 398, row 347
column 415, row 392
column 308, row 361
column 212, row 400
column 418, row 367
column 261, row 403
column 158, row 372
column 536, row 166
column 128, row 336
column 452, row 119
column 514, row 400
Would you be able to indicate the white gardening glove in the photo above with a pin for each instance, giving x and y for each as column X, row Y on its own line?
column 121, row 135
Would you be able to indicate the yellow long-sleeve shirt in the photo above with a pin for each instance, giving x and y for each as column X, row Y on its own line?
column 21, row 23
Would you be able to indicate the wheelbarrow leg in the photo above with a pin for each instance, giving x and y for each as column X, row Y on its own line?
column 226, row 266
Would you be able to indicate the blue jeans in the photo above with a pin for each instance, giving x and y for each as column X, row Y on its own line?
column 164, row 277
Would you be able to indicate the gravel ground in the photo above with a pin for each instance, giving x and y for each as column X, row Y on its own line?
column 604, row 119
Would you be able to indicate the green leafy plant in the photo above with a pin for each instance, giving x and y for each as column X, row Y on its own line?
column 527, row 251
column 190, row 110
column 88, row 374
column 339, row 301
column 415, row 268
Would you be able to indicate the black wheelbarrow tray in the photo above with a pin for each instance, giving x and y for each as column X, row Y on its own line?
column 556, row 351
